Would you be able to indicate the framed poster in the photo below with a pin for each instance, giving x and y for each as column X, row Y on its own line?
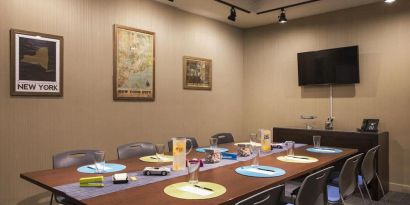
column 36, row 61
column 134, row 64
column 197, row 73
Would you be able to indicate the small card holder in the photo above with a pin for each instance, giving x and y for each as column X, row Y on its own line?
column 121, row 178
column 231, row 156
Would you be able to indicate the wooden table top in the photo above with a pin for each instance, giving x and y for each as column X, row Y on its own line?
column 238, row 186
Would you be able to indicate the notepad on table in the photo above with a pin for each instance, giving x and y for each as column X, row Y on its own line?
column 259, row 171
column 195, row 190
column 99, row 166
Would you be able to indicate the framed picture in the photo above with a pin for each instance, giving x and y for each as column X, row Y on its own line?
column 197, row 73
column 370, row 125
column 36, row 61
column 134, row 64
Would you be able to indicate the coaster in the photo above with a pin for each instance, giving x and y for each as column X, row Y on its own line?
column 202, row 190
column 324, row 150
column 260, row 171
column 297, row 159
column 153, row 158
column 202, row 149
column 109, row 168
column 248, row 143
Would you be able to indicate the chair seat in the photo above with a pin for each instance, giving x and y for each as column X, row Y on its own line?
column 333, row 194
column 335, row 181
column 63, row 200
column 291, row 188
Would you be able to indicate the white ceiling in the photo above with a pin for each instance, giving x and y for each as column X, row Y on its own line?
column 220, row 12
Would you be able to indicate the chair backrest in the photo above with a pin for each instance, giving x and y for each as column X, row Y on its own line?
column 73, row 158
column 368, row 165
column 313, row 189
column 193, row 140
column 224, row 138
column 348, row 176
column 271, row 196
column 136, row 149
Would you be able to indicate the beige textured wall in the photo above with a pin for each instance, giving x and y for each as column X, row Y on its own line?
column 272, row 96
column 32, row 129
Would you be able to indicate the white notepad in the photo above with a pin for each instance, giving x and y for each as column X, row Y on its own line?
column 196, row 190
column 260, row 171
column 325, row 150
column 99, row 167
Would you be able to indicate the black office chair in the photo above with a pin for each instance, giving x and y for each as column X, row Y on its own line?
column 347, row 182
column 224, row 138
column 188, row 145
column 368, row 172
column 68, row 159
column 271, row 196
column 136, row 149
column 313, row 189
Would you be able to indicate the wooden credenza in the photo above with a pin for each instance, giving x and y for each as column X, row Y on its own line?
column 363, row 141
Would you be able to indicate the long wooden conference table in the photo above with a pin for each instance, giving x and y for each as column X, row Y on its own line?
column 238, row 186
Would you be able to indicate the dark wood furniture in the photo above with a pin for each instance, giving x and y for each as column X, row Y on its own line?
column 238, row 186
column 363, row 141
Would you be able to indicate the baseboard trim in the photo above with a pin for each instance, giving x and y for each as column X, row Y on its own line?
column 403, row 188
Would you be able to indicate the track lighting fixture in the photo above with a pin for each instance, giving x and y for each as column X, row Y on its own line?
column 232, row 15
column 389, row 1
column 282, row 17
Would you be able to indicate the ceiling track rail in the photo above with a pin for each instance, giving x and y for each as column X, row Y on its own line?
column 288, row 6
column 234, row 6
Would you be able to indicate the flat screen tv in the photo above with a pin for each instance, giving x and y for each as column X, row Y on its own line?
column 331, row 66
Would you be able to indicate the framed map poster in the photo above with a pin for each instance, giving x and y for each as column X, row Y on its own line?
column 36, row 61
column 197, row 73
column 134, row 64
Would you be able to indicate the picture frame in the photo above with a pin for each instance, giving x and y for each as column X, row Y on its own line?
column 197, row 73
column 36, row 64
column 134, row 64
column 370, row 125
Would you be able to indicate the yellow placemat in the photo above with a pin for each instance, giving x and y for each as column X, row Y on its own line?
column 297, row 159
column 185, row 190
column 153, row 158
column 257, row 144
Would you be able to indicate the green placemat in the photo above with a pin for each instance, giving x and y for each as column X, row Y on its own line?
column 297, row 159
column 185, row 190
column 153, row 158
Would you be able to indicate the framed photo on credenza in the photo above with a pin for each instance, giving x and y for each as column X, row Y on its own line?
column 370, row 125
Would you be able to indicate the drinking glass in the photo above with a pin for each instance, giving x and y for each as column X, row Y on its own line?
column 316, row 141
column 160, row 149
column 213, row 142
column 193, row 171
column 290, row 146
column 256, row 147
column 99, row 161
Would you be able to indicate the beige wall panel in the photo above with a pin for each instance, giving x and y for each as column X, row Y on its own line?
column 32, row 129
column 272, row 96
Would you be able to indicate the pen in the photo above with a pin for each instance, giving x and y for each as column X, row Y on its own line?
column 265, row 170
column 299, row 157
column 206, row 188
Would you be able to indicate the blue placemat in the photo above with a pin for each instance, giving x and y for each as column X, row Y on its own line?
column 202, row 149
column 324, row 150
column 260, row 171
column 108, row 168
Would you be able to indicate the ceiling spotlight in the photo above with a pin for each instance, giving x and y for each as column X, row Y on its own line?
column 232, row 16
column 389, row 1
column 282, row 17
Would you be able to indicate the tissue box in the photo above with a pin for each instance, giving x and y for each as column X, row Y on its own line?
column 212, row 156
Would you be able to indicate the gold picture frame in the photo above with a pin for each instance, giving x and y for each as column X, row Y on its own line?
column 36, row 64
column 197, row 73
column 134, row 64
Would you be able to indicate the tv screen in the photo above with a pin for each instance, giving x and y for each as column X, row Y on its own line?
column 331, row 66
